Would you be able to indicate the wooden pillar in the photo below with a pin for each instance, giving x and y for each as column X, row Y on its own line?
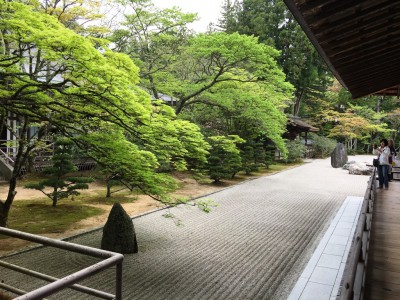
column 305, row 138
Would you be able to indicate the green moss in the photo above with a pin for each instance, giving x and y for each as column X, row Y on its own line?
column 39, row 217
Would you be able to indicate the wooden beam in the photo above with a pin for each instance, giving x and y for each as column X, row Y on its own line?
column 365, row 13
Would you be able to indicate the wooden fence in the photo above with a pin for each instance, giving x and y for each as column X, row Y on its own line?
column 353, row 281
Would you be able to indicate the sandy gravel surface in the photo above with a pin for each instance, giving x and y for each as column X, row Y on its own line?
column 252, row 246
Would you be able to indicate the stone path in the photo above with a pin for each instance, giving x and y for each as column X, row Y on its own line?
column 321, row 278
column 254, row 245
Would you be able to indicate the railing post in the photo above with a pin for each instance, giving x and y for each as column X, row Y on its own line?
column 109, row 259
column 118, row 281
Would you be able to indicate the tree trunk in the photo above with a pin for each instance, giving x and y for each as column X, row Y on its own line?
column 19, row 162
column 108, row 189
column 179, row 106
column 378, row 103
column 55, row 198
column 296, row 106
column 5, row 206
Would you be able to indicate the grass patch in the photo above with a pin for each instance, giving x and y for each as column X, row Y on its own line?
column 40, row 217
column 98, row 197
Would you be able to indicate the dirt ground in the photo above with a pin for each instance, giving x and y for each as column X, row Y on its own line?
column 190, row 188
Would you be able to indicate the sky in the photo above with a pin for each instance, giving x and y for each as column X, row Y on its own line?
column 207, row 10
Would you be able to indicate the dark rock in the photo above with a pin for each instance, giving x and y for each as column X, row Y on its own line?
column 339, row 156
column 119, row 233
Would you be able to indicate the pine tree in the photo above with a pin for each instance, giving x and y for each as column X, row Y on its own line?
column 224, row 160
column 62, row 164
column 229, row 12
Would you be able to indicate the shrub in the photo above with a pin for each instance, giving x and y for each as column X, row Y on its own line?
column 224, row 160
column 269, row 156
column 249, row 163
column 118, row 233
column 322, row 146
column 296, row 151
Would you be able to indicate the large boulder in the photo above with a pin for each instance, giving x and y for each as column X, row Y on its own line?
column 118, row 233
column 339, row 156
column 358, row 168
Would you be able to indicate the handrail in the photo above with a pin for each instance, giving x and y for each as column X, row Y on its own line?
column 110, row 259
column 354, row 272
column 76, row 287
column 7, row 159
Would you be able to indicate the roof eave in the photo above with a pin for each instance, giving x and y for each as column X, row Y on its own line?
column 298, row 16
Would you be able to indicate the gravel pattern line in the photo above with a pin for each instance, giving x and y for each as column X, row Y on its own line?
column 253, row 245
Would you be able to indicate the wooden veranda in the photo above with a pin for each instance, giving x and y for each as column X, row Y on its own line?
column 383, row 266
column 359, row 41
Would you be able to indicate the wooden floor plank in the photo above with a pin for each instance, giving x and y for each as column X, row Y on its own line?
column 383, row 268
column 384, row 276
column 384, row 292
column 385, row 262
column 389, row 253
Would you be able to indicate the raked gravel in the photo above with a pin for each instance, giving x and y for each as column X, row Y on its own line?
column 253, row 245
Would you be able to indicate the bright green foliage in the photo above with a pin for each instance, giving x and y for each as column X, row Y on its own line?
column 232, row 82
column 271, row 21
column 174, row 142
column 176, row 64
column 152, row 37
column 206, row 204
column 224, row 160
column 79, row 74
column 296, row 151
column 211, row 76
column 62, row 165
column 195, row 147
column 213, row 58
column 122, row 159
column 249, row 110
column 393, row 118
column 354, row 125
column 119, row 233
column 82, row 16
column 53, row 78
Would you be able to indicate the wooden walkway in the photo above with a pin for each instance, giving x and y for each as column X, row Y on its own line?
column 383, row 267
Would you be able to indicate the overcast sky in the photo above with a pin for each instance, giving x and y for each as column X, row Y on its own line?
column 207, row 10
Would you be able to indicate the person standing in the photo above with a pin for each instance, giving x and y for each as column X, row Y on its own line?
column 383, row 168
column 391, row 158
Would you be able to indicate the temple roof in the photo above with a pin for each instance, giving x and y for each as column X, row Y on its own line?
column 359, row 41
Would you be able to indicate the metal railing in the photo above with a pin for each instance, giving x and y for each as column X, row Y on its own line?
column 109, row 259
column 352, row 286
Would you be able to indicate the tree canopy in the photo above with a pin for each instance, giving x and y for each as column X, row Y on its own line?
column 229, row 90
column 55, row 79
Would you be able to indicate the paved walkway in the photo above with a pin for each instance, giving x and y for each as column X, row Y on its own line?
column 323, row 274
column 254, row 245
